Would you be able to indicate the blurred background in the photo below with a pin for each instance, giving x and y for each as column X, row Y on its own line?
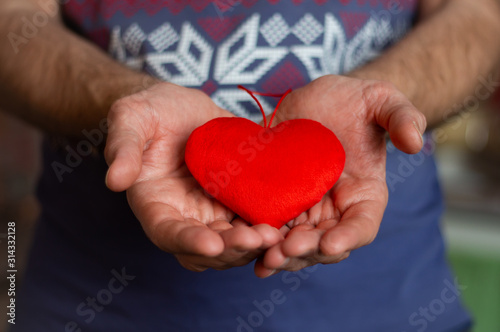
column 19, row 169
column 468, row 154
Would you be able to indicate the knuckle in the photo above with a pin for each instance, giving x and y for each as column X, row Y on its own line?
column 129, row 103
column 116, row 113
column 385, row 86
column 331, row 249
column 198, row 93
column 121, row 105
column 382, row 88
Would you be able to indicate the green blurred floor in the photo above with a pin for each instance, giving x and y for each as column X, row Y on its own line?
column 471, row 185
column 482, row 297
column 474, row 253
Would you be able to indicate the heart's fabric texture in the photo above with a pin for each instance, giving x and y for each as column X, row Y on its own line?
column 265, row 175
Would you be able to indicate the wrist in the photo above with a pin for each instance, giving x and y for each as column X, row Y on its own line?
column 123, row 87
column 98, row 95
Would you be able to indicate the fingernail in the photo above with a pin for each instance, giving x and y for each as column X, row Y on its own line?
column 273, row 272
column 106, row 178
column 285, row 263
column 419, row 132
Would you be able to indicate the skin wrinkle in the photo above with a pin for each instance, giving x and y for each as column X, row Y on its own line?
column 152, row 230
column 138, row 105
column 361, row 195
column 193, row 206
column 319, row 216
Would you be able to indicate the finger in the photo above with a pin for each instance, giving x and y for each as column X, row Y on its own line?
column 327, row 224
column 240, row 222
column 299, row 250
column 285, row 229
column 358, row 227
column 261, row 270
column 241, row 247
column 404, row 130
column 274, row 261
column 306, row 239
column 298, row 263
column 303, row 240
column 274, row 257
column 270, row 235
column 194, row 263
column 172, row 233
column 400, row 118
column 220, row 226
column 182, row 236
column 228, row 259
column 241, row 238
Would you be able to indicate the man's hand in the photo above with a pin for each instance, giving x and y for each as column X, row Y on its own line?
column 145, row 151
column 349, row 215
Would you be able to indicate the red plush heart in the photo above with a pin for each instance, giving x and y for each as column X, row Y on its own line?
column 265, row 175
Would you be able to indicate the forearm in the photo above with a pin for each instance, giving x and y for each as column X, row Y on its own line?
column 439, row 63
column 57, row 80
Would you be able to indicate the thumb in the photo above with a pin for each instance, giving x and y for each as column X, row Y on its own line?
column 123, row 152
column 403, row 121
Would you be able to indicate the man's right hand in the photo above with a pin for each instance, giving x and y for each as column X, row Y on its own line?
column 148, row 132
